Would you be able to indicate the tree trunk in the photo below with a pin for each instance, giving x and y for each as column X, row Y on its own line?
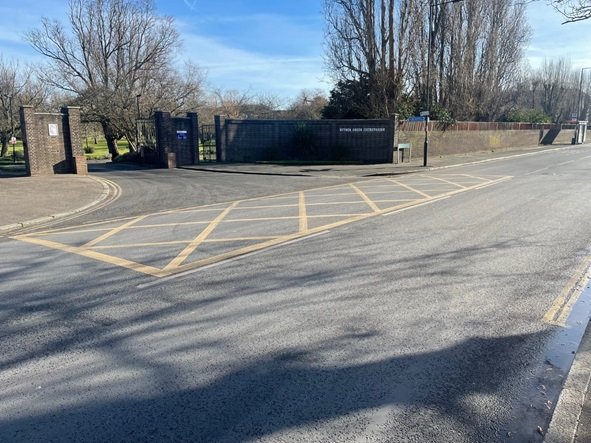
column 111, row 139
column 4, row 138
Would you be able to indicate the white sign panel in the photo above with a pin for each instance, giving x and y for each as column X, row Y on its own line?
column 53, row 129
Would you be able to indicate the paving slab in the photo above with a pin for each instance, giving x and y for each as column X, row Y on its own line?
column 27, row 200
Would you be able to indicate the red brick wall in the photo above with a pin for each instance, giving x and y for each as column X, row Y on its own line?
column 467, row 137
column 51, row 153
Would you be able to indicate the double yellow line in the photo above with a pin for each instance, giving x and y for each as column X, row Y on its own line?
column 563, row 304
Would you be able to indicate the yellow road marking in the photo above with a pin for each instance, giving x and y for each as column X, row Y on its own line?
column 562, row 305
column 164, row 225
column 179, row 259
column 438, row 191
column 410, row 188
column 367, row 200
column 294, row 217
column 62, row 232
column 359, row 202
column 303, row 217
column 476, row 177
column 390, row 189
column 447, row 181
column 349, row 193
column 238, row 208
column 150, row 270
column 235, row 239
column 181, row 242
column 112, row 232
column 259, row 246
column 356, row 202
column 104, row 222
column 177, row 265
column 194, row 209
column 141, row 245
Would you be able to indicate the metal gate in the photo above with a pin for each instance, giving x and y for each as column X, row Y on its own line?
column 207, row 145
column 146, row 133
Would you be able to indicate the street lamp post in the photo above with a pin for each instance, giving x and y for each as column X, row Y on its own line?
column 426, row 113
column 137, row 123
column 579, row 110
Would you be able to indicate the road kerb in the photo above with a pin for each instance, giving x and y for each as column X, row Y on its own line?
column 565, row 420
column 106, row 196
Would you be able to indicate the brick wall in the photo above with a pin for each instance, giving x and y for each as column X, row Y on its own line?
column 51, row 140
column 178, row 135
column 368, row 141
column 472, row 136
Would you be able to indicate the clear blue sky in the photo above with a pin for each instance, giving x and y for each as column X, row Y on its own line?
column 271, row 46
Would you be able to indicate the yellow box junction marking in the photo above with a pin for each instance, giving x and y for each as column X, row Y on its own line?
column 216, row 215
column 410, row 188
column 179, row 259
column 447, row 181
column 366, row 199
column 113, row 232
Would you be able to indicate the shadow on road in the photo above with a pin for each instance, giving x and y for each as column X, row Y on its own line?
column 289, row 390
column 132, row 365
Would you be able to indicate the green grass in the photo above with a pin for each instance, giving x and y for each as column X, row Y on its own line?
column 100, row 150
column 10, row 168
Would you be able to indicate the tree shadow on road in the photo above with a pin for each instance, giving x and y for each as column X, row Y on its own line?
column 291, row 390
column 186, row 380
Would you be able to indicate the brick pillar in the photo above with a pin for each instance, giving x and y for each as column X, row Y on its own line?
column 29, row 141
column 73, row 113
column 163, row 126
column 73, row 140
column 193, row 135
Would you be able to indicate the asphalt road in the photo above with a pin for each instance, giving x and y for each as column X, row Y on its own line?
column 426, row 324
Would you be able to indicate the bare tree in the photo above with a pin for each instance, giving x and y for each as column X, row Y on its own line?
column 380, row 48
column 573, row 10
column 559, row 86
column 17, row 87
column 478, row 48
column 308, row 105
column 362, row 47
column 232, row 103
column 111, row 52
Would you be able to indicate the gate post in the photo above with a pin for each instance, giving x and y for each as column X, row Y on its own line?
column 163, row 130
column 73, row 139
column 219, row 138
column 193, row 135
column 26, row 117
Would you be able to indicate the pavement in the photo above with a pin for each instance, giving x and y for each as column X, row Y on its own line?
column 30, row 201
column 571, row 421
